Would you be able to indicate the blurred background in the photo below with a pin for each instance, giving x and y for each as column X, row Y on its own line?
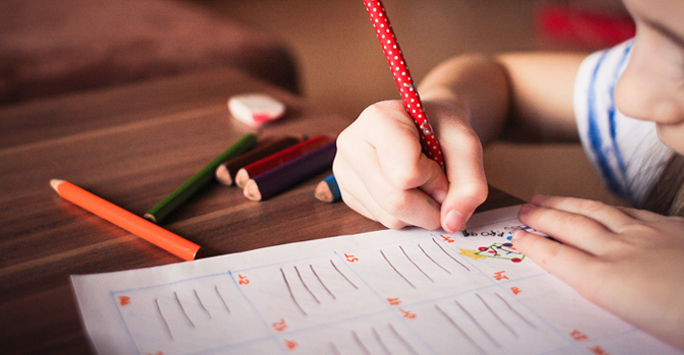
column 343, row 69
column 337, row 60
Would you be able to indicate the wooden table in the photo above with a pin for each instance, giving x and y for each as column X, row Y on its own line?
column 132, row 146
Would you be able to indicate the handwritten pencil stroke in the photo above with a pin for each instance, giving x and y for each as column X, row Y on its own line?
column 516, row 312
column 360, row 343
column 433, row 260
column 291, row 294
column 183, row 309
column 414, row 264
column 343, row 275
column 401, row 339
column 497, row 316
column 379, row 340
column 395, row 269
column 202, row 304
column 449, row 255
column 460, row 330
column 479, row 326
column 166, row 324
column 306, row 287
column 321, row 281
column 221, row 298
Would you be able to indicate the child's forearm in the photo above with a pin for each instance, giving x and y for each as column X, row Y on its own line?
column 519, row 96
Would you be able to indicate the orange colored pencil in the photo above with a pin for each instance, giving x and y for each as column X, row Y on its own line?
column 144, row 229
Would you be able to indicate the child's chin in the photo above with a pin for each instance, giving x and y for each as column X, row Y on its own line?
column 672, row 135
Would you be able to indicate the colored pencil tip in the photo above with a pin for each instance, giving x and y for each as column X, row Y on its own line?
column 251, row 191
column 55, row 182
column 322, row 192
column 223, row 175
column 150, row 217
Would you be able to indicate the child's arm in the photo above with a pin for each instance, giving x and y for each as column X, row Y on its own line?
column 627, row 261
column 469, row 100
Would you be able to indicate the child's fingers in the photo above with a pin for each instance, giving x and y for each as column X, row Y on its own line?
column 573, row 229
column 356, row 197
column 352, row 202
column 573, row 266
column 611, row 217
column 410, row 206
column 467, row 182
column 392, row 207
column 396, row 140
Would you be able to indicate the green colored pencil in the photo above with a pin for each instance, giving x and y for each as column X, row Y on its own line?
column 163, row 209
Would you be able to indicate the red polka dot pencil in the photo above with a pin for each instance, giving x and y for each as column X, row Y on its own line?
column 402, row 77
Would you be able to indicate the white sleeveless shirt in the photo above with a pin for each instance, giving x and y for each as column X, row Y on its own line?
column 626, row 153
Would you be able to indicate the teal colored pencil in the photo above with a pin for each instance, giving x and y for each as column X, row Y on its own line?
column 327, row 190
column 163, row 209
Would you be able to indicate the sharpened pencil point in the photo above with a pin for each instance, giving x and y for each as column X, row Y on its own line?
column 223, row 175
column 150, row 217
column 251, row 191
column 322, row 192
column 54, row 183
column 241, row 178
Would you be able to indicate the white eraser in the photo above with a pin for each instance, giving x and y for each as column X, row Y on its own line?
column 255, row 109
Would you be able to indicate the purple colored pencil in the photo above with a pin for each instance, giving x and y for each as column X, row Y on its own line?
column 276, row 180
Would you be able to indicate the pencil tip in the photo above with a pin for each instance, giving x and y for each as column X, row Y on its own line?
column 55, row 182
column 322, row 192
column 150, row 217
column 251, row 190
column 223, row 175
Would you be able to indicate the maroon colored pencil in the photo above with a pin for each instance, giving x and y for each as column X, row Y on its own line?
column 227, row 171
column 277, row 159
column 297, row 170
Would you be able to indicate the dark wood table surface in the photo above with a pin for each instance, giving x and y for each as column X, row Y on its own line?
column 134, row 145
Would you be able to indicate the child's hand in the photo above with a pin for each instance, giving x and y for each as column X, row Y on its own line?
column 383, row 174
column 631, row 262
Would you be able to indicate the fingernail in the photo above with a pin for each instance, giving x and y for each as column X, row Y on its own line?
column 453, row 221
column 527, row 208
column 518, row 234
column 538, row 199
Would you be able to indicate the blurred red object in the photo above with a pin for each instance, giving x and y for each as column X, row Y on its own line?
column 582, row 28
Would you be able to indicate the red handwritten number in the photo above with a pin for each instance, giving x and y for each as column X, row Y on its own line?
column 291, row 344
column 500, row 276
column 515, row 290
column 393, row 301
column 243, row 280
column 446, row 239
column 407, row 314
column 351, row 258
column 124, row 300
column 578, row 336
column 279, row 326
column 597, row 350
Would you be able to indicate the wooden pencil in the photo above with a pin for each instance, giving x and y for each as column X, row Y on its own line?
column 274, row 181
column 225, row 173
column 163, row 209
column 327, row 190
column 277, row 159
column 402, row 77
column 144, row 229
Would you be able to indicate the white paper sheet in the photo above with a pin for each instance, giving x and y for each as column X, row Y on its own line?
column 388, row 292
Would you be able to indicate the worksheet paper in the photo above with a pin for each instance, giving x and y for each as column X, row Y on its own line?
column 388, row 292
